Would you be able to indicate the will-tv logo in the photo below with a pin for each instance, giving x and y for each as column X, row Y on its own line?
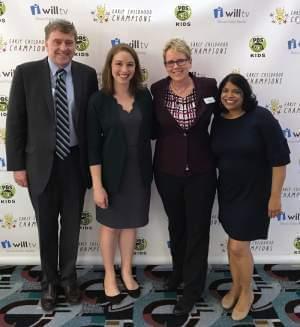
column 291, row 135
column 7, row 244
column 293, row 44
column 232, row 13
column 2, row 163
column 52, row 10
column 282, row 216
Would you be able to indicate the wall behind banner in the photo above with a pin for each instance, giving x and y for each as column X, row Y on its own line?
column 259, row 39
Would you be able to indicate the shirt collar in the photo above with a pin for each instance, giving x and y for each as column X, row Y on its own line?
column 54, row 68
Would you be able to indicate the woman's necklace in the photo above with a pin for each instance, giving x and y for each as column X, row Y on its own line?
column 181, row 90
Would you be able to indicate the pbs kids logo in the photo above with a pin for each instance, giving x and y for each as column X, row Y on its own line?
column 297, row 243
column 145, row 74
column 3, row 105
column 7, row 191
column 2, row 135
column 82, row 44
column 183, row 13
column 141, row 244
column 86, row 218
column 258, row 44
column 2, row 8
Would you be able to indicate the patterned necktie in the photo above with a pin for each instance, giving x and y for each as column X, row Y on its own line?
column 62, row 116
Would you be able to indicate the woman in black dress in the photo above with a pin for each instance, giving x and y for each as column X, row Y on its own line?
column 251, row 154
column 119, row 131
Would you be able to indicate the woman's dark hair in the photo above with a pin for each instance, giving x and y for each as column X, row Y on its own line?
column 249, row 101
column 107, row 78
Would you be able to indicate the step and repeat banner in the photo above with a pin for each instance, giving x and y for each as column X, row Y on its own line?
column 259, row 39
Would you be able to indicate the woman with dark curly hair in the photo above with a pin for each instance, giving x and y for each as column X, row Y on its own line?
column 251, row 155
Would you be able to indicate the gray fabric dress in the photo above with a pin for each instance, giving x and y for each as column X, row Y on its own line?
column 129, row 208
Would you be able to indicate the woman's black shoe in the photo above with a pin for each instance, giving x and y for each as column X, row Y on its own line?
column 133, row 293
column 116, row 299
column 183, row 307
column 48, row 299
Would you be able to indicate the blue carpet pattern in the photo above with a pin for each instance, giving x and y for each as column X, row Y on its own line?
column 276, row 289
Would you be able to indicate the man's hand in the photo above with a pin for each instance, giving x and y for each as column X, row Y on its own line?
column 20, row 177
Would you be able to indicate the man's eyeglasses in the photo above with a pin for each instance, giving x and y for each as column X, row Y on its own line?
column 179, row 62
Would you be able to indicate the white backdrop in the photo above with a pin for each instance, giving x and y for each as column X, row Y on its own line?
column 259, row 39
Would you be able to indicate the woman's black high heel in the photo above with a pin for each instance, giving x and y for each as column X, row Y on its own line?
column 133, row 293
column 115, row 299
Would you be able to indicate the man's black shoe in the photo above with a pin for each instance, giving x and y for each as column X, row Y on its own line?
column 183, row 307
column 72, row 294
column 48, row 299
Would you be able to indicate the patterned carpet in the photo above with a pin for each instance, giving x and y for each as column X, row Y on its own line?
column 276, row 288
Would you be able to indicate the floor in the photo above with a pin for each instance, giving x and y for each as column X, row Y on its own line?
column 276, row 288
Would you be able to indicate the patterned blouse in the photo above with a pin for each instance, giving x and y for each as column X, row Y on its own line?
column 182, row 109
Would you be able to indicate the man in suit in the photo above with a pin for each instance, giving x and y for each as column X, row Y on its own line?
column 47, row 152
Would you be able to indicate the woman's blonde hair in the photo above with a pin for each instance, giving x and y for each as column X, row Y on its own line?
column 178, row 45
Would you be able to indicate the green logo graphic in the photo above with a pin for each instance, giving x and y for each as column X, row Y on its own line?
column 82, row 42
column 297, row 243
column 2, row 135
column 86, row 218
column 3, row 103
column 2, row 44
column 279, row 16
column 274, row 106
column 7, row 191
column 8, row 221
column 183, row 12
column 145, row 74
column 257, row 44
column 101, row 14
column 2, row 8
column 140, row 244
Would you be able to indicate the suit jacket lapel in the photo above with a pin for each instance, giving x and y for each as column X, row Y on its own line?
column 162, row 92
column 199, row 94
column 200, row 105
column 161, row 102
column 47, row 87
column 77, row 84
